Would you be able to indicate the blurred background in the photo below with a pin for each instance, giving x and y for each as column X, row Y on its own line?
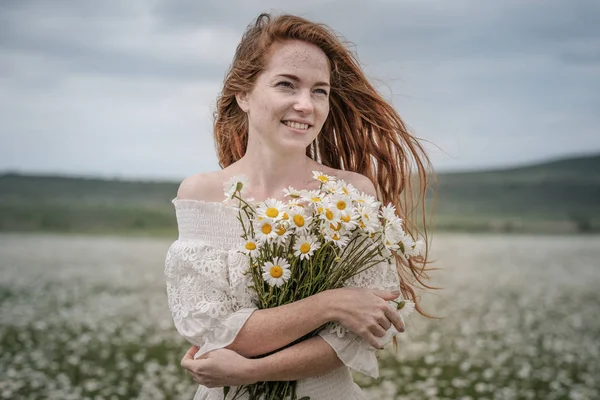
column 106, row 106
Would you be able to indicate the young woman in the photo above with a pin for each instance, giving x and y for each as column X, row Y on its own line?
column 295, row 100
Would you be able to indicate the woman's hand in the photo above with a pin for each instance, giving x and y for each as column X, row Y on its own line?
column 366, row 312
column 219, row 368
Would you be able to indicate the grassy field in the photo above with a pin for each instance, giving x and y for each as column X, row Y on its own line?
column 557, row 197
column 87, row 318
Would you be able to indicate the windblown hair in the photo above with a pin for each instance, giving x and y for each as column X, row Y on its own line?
column 362, row 133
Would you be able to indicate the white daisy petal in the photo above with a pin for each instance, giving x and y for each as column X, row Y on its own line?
column 238, row 182
column 276, row 272
column 305, row 246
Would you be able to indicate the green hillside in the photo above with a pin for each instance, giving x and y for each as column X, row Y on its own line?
column 558, row 196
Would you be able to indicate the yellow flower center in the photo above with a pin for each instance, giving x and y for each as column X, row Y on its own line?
column 323, row 178
column 285, row 216
column 305, row 248
column 336, row 236
column 345, row 191
column 281, row 230
column 299, row 220
column 266, row 229
column 362, row 225
column 346, row 218
column 272, row 212
column 250, row 246
column 341, row 205
column 276, row 271
column 336, row 227
column 329, row 215
column 316, row 199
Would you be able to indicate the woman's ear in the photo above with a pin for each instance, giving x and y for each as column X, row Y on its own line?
column 242, row 101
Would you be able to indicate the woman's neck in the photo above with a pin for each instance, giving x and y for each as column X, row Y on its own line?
column 269, row 172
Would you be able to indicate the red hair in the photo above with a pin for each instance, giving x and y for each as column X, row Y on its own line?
column 362, row 133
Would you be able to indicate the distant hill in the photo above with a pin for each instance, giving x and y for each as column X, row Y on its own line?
column 566, row 191
column 557, row 196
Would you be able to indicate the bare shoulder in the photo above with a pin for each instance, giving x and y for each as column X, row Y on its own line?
column 359, row 181
column 206, row 186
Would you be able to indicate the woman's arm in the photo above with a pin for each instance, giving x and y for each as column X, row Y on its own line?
column 363, row 311
column 311, row 357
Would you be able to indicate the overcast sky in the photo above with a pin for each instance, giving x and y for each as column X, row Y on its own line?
column 127, row 88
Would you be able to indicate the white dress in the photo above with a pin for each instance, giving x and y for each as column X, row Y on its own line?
column 210, row 301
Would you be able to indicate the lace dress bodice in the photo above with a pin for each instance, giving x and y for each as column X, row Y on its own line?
column 210, row 301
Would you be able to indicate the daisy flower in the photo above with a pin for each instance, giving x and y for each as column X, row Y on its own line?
column 389, row 213
column 282, row 230
column 404, row 307
column 251, row 247
column 346, row 188
column 392, row 238
column 276, row 273
column 292, row 193
column 314, row 197
column 417, row 248
column 368, row 219
column 271, row 208
column 342, row 202
column 406, row 244
column 299, row 220
column 330, row 187
column 295, row 205
column 321, row 177
column 265, row 229
column 366, row 199
column 336, row 237
column 350, row 219
column 328, row 212
column 305, row 246
column 238, row 182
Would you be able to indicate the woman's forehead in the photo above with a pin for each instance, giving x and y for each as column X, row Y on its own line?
column 298, row 58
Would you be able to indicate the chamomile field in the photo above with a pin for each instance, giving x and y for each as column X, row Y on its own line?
column 84, row 317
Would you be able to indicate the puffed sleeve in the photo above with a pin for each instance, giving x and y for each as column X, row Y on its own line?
column 351, row 349
column 199, row 295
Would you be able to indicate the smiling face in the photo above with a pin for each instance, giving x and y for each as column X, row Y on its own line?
column 289, row 102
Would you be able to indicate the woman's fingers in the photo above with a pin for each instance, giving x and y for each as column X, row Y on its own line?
column 189, row 355
column 395, row 319
column 373, row 341
column 386, row 294
column 384, row 322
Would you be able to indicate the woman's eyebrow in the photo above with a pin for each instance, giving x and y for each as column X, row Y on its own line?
column 297, row 79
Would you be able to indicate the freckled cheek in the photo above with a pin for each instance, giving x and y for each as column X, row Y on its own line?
column 323, row 111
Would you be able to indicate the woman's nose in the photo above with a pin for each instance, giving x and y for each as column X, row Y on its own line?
column 304, row 102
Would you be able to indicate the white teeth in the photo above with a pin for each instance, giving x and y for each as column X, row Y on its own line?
column 296, row 125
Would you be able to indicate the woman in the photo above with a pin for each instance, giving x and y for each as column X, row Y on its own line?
column 294, row 101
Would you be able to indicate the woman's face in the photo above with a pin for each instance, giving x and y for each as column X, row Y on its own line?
column 289, row 102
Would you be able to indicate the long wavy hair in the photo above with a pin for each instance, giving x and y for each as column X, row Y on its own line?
column 362, row 133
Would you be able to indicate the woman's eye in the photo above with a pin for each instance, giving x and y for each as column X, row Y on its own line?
column 285, row 84
column 322, row 91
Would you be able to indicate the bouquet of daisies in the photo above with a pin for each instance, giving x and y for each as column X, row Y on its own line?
column 315, row 242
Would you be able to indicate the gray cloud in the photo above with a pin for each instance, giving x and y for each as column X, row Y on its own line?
column 128, row 88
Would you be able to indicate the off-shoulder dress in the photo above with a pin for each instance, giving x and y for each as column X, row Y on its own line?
column 210, row 301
